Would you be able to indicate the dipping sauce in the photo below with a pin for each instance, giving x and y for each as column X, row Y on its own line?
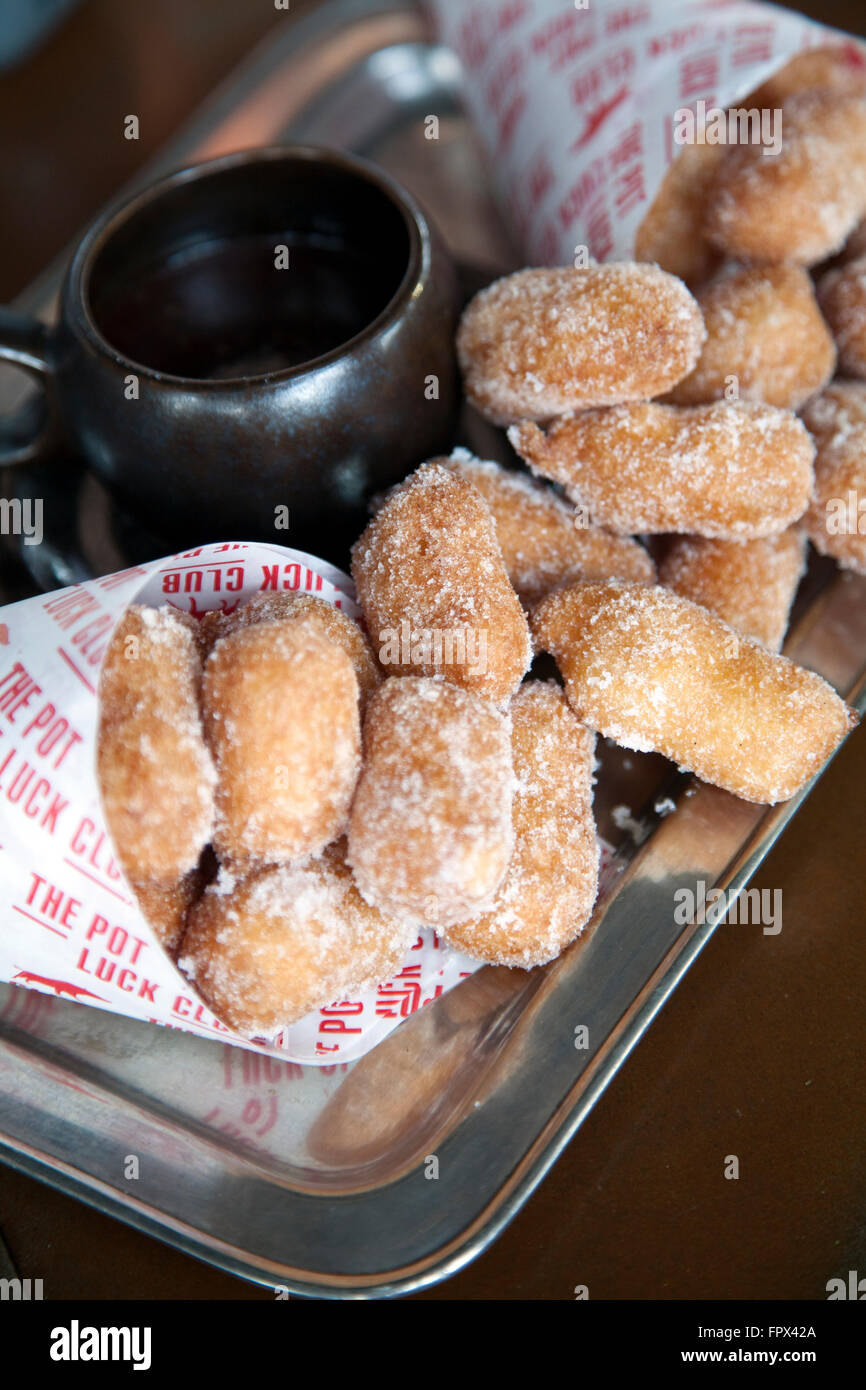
column 233, row 308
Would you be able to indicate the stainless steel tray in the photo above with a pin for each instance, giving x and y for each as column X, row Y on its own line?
column 319, row 1179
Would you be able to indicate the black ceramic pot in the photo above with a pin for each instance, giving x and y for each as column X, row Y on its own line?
column 261, row 338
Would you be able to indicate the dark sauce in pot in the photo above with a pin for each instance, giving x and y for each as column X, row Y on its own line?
column 227, row 308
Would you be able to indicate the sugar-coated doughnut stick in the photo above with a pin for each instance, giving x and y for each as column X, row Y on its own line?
column 836, row 519
column 546, row 541
column 654, row 671
column 541, row 342
column 842, row 295
column 434, row 589
column 310, row 614
column 155, row 772
column 550, row 886
column 430, row 833
column 749, row 584
column 672, row 232
column 802, row 203
column 268, row 949
column 766, row 339
column 281, row 717
column 724, row 470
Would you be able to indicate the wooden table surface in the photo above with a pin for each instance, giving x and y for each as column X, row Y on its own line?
column 759, row 1052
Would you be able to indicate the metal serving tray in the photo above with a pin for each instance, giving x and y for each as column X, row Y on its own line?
column 319, row 1179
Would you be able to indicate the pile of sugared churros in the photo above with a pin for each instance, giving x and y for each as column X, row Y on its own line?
column 293, row 794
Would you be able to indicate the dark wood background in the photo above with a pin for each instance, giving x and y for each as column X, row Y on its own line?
column 760, row 1051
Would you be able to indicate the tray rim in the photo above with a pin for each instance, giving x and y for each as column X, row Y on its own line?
column 563, row 1123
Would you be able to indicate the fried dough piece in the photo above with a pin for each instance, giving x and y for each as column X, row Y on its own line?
column 656, row 672
column 836, row 519
column 672, row 233
column 434, row 590
column 541, row 342
column 270, row 948
column 842, row 296
column 545, row 542
column 801, row 204
column 280, row 709
column 430, row 834
column 749, row 584
column 548, row 893
column 718, row 470
column 314, row 615
column 766, row 334
column 155, row 773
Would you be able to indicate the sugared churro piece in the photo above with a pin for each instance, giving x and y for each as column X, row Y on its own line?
column 721, row 470
column 430, row 833
column 545, row 541
column 155, row 772
column 836, row 519
column 801, row 204
column 313, row 615
column 654, row 671
column 434, row 589
column 265, row 951
column 836, row 68
column 672, row 233
column 749, row 584
column 280, row 709
column 166, row 906
column 766, row 339
column 842, row 294
column 548, row 892
column 541, row 342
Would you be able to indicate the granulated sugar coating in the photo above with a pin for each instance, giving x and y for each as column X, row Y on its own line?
column 287, row 940
column 654, row 671
column 711, row 470
column 430, row 834
column 801, row 204
column 434, row 590
column 749, row 584
column 842, row 294
column 165, row 905
column 541, row 342
column 309, row 614
column 154, row 770
column 280, row 709
column 836, row 519
column 548, row 893
column 766, row 339
column 672, row 233
column 545, row 541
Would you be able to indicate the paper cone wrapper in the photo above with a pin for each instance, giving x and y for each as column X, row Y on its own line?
column 575, row 102
column 69, row 923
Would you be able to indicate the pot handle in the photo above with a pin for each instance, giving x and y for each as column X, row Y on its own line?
column 33, row 431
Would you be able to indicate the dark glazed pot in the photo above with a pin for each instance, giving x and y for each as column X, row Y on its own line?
column 214, row 456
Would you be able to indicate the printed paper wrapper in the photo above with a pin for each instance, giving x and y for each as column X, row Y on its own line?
column 69, row 924
column 576, row 103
